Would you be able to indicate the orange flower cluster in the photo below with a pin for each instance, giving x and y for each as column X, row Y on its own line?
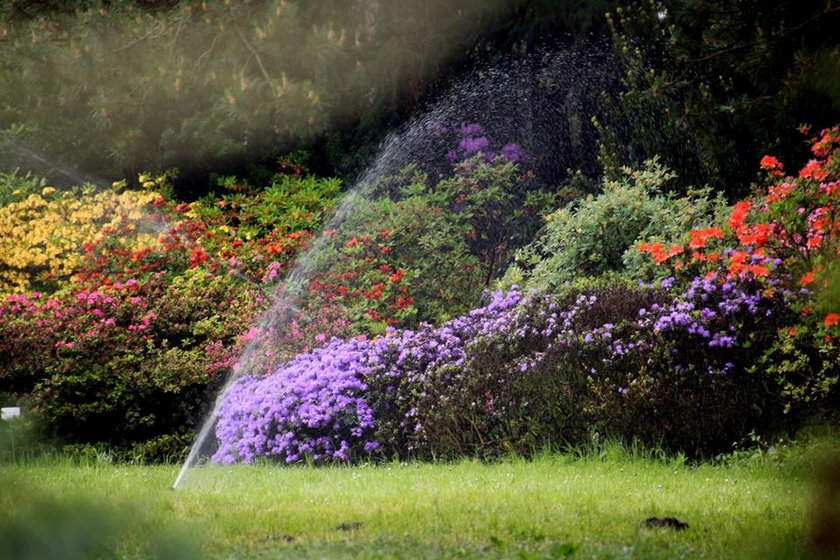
column 699, row 237
column 660, row 255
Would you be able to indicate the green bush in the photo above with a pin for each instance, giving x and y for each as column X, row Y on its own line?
column 16, row 186
column 412, row 250
column 598, row 235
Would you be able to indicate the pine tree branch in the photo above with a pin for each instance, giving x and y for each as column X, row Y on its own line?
column 779, row 35
column 256, row 56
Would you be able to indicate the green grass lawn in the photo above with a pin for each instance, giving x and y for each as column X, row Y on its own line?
column 555, row 506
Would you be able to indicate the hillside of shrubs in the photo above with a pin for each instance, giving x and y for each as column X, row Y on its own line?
column 470, row 313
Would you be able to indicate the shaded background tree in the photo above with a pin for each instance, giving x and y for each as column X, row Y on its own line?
column 105, row 90
column 713, row 85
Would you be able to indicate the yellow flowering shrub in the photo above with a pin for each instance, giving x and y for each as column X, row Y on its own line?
column 41, row 236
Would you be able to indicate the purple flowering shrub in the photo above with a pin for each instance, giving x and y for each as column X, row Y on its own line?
column 526, row 380
column 313, row 405
column 648, row 363
column 473, row 141
column 681, row 374
column 350, row 398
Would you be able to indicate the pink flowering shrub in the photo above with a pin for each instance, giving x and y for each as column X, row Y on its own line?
column 130, row 366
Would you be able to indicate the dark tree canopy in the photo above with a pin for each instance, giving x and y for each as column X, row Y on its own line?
column 716, row 84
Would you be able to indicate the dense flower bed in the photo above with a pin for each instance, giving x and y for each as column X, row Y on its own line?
column 739, row 334
column 487, row 381
column 335, row 401
column 144, row 306
column 41, row 237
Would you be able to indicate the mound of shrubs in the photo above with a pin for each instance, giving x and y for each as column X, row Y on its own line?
column 128, row 308
column 736, row 338
column 679, row 322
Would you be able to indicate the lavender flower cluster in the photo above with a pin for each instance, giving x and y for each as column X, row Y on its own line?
column 350, row 398
column 474, row 141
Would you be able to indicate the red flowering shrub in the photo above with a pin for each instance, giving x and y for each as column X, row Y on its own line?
column 785, row 237
column 240, row 233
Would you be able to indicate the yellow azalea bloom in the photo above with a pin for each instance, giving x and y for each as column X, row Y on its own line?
column 39, row 237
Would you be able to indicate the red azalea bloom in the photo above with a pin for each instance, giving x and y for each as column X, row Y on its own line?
column 813, row 171
column 197, row 257
column 699, row 237
column 739, row 214
column 771, row 164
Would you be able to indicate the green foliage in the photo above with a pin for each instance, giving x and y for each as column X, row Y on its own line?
column 598, row 234
column 502, row 205
column 412, row 250
column 288, row 203
column 16, row 186
column 414, row 235
column 803, row 360
column 829, row 297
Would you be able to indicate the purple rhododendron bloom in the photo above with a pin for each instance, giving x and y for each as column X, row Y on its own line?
column 513, row 152
column 473, row 145
column 471, row 129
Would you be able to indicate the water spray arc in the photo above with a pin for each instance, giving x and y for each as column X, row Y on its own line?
column 48, row 166
column 391, row 157
column 497, row 98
